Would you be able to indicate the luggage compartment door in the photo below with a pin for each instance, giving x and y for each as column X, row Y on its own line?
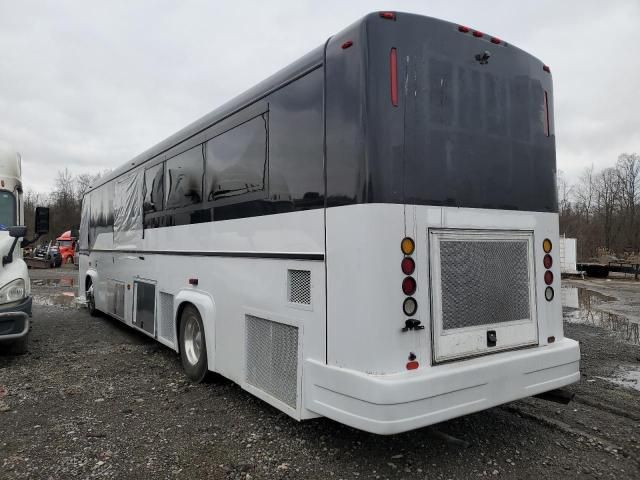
column 144, row 306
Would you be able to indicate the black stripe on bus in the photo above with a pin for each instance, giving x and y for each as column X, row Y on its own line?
column 271, row 255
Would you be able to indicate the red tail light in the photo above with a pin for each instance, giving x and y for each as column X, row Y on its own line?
column 548, row 277
column 412, row 365
column 547, row 261
column 393, row 69
column 546, row 113
column 408, row 265
column 409, row 285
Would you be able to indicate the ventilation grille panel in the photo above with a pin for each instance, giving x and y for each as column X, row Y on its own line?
column 272, row 358
column 299, row 287
column 165, row 326
column 484, row 282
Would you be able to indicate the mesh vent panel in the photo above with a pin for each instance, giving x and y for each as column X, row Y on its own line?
column 272, row 358
column 484, row 282
column 300, row 286
column 165, row 327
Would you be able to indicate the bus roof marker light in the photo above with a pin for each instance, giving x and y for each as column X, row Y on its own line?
column 388, row 15
column 477, row 34
column 463, row 29
column 193, row 281
column 393, row 75
column 347, row 44
column 546, row 68
column 496, row 40
column 407, row 245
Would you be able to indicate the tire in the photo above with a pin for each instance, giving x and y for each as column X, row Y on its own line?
column 91, row 301
column 193, row 347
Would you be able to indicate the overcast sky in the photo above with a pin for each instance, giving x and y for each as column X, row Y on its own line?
column 90, row 84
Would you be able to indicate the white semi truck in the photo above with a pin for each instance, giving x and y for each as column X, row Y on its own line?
column 15, row 287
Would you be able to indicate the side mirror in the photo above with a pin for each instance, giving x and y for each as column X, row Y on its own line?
column 42, row 220
column 17, row 231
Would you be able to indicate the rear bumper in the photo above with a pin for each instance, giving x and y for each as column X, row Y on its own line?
column 14, row 320
column 387, row 404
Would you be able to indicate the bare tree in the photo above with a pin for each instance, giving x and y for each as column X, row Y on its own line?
column 628, row 171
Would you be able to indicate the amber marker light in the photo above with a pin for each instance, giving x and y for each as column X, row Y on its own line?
column 546, row 245
column 407, row 245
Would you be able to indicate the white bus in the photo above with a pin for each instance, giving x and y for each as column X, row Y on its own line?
column 368, row 235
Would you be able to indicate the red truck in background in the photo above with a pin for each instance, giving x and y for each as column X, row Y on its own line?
column 66, row 244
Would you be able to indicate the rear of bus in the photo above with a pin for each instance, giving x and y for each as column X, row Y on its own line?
column 443, row 136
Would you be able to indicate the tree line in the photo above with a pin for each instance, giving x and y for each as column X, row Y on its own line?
column 601, row 209
column 64, row 202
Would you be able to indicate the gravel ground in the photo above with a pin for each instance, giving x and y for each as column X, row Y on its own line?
column 94, row 399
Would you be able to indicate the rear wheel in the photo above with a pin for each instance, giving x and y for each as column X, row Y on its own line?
column 193, row 349
column 91, row 300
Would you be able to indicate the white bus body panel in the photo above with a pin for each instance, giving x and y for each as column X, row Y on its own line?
column 365, row 382
column 229, row 288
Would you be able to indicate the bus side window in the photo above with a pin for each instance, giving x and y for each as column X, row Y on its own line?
column 237, row 160
column 184, row 178
column 154, row 188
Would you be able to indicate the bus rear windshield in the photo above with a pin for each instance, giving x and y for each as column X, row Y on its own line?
column 477, row 133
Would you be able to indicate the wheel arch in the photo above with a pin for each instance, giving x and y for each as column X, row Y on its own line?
column 203, row 302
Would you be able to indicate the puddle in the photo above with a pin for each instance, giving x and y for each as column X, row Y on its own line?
column 626, row 376
column 64, row 299
column 54, row 282
column 584, row 306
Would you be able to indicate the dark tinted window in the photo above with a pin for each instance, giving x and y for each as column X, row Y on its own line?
column 154, row 188
column 101, row 214
column 184, row 178
column 295, row 145
column 7, row 209
column 237, row 160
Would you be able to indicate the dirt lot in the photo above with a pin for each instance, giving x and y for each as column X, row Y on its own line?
column 96, row 399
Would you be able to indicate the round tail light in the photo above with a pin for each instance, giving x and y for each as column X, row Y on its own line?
column 407, row 245
column 409, row 285
column 412, row 365
column 410, row 306
column 548, row 277
column 408, row 265
column 548, row 294
column 547, row 261
column 546, row 245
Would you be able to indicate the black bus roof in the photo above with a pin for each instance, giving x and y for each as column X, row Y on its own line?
column 312, row 60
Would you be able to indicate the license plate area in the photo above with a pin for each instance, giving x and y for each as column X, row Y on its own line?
column 482, row 292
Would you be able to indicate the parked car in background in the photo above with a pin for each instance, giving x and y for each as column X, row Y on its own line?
column 49, row 253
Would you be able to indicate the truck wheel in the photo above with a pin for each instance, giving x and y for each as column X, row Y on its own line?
column 91, row 301
column 193, row 348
